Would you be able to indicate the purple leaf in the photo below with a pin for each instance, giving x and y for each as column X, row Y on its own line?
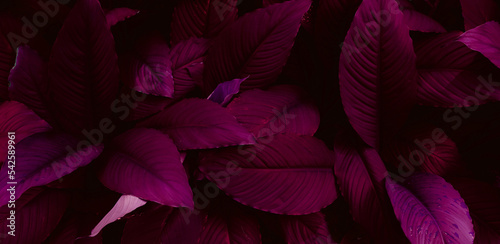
column 182, row 226
column 83, row 68
column 450, row 74
column 377, row 71
column 360, row 176
column 29, row 81
column 478, row 12
column 44, row 157
column 124, row 205
column 284, row 174
column 150, row 70
column 484, row 39
column 151, row 158
column 119, row 14
column 187, row 59
column 256, row 45
column 199, row 124
column 16, row 117
column 201, row 18
column 311, row 228
column 280, row 109
column 225, row 91
column 37, row 219
column 417, row 21
column 430, row 210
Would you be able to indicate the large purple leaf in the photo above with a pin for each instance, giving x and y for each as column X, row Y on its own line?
column 430, row 210
column 478, row 12
column 124, row 205
column 16, row 117
column 150, row 71
column 29, row 81
column 360, row 175
column 199, row 124
column 280, row 109
column 83, row 69
column 201, row 18
column 285, row 174
column 450, row 74
column 257, row 44
column 182, row 226
column 484, row 39
column 187, row 59
column 225, row 91
column 311, row 228
column 37, row 219
column 151, row 158
column 44, row 157
column 377, row 71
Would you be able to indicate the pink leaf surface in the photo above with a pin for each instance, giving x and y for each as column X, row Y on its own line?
column 124, row 205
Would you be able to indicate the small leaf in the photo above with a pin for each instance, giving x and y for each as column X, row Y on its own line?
column 124, row 205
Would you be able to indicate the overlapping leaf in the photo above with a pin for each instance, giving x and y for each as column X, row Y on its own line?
column 430, row 210
column 450, row 74
column 37, row 219
column 377, row 71
column 309, row 228
column 285, row 174
column 360, row 175
column 29, row 80
column 145, row 163
column 150, row 71
column 280, row 109
column 257, row 44
column 478, row 12
column 199, row 124
column 201, row 18
column 83, row 68
column 187, row 59
column 44, row 157
column 19, row 119
column 484, row 39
